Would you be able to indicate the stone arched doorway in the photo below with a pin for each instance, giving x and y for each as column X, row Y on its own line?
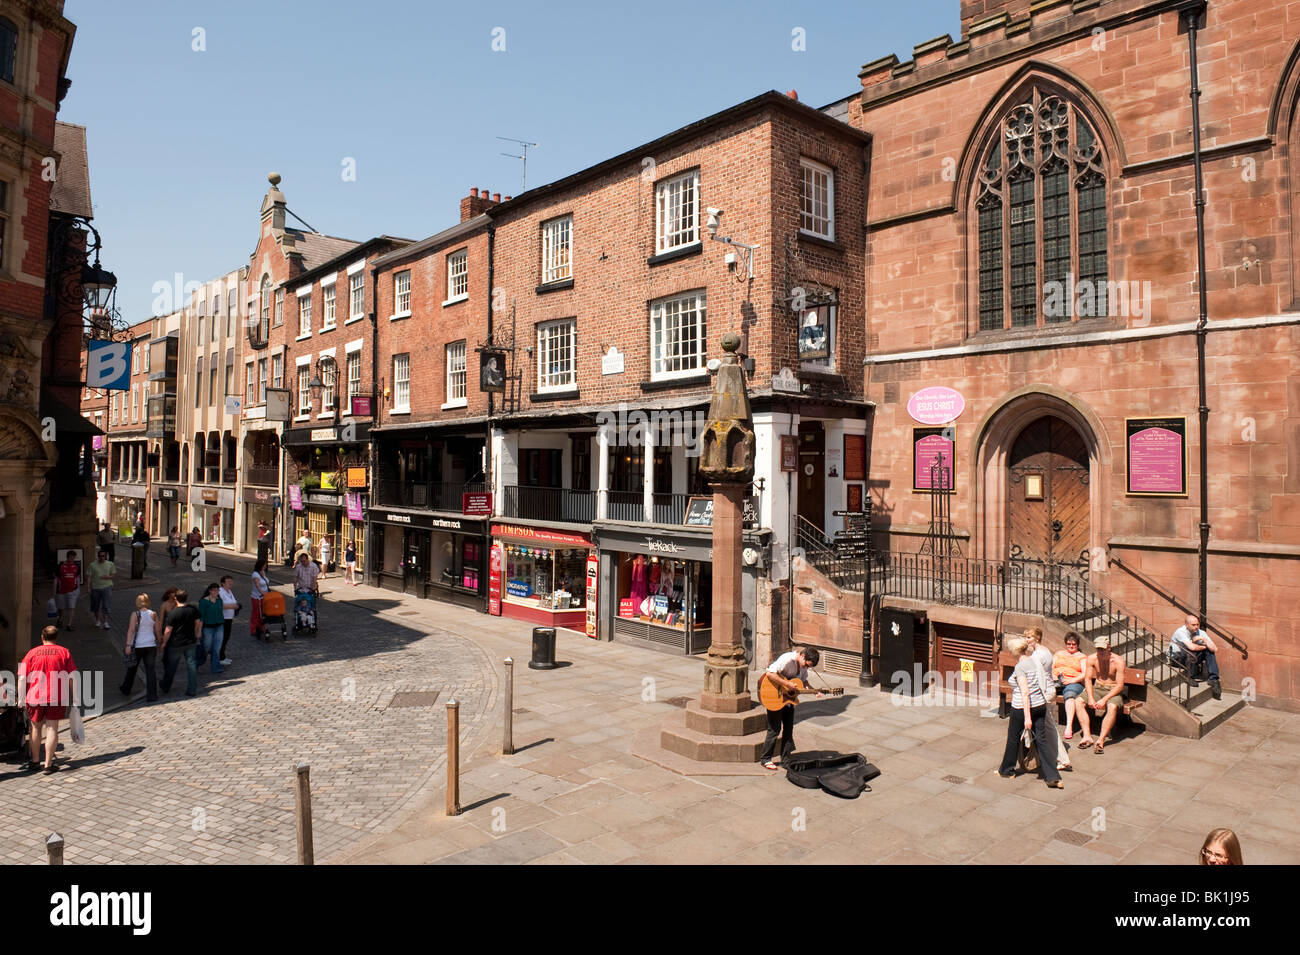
column 1044, row 436
column 1048, row 497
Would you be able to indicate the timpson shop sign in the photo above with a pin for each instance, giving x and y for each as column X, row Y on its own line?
column 540, row 534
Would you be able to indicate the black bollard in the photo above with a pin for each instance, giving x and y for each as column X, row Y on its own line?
column 543, row 649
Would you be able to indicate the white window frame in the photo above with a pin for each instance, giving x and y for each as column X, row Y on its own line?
column 304, row 313
column 356, row 296
column 278, row 320
column 262, row 370
column 277, row 370
column 457, row 276
column 402, row 309
column 662, row 312
column 329, row 379
column 402, row 384
column 135, row 390
column 250, row 383
column 304, row 392
column 557, row 250
column 328, row 304
column 815, row 210
column 668, row 207
column 354, row 382
column 554, row 339
column 457, row 392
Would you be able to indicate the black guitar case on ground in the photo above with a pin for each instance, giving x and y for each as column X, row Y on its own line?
column 841, row 774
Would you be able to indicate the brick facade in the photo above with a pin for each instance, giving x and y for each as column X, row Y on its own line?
column 1122, row 64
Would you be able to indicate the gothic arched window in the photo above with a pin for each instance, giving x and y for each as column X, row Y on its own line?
column 1040, row 209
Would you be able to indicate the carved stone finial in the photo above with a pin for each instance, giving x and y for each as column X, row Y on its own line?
column 727, row 453
column 273, row 178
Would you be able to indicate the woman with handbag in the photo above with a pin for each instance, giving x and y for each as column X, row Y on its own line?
column 141, row 649
column 1043, row 657
column 261, row 587
column 1028, row 716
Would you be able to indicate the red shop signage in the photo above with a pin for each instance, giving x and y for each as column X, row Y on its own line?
column 540, row 534
column 496, row 567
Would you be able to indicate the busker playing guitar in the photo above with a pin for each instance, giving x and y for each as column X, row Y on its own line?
column 784, row 670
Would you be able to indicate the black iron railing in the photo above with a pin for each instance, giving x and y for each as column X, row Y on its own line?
column 671, row 508
column 562, row 504
column 625, row 506
column 424, row 494
column 1051, row 590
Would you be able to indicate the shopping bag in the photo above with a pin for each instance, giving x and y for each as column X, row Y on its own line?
column 78, row 730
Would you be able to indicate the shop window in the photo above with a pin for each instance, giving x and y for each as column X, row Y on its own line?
column 626, row 469
column 666, row 593
column 545, row 577
column 581, row 457
column 543, row 467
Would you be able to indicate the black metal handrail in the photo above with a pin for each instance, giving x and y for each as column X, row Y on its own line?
column 811, row 538
column 1045, row 589
column 1237, row 643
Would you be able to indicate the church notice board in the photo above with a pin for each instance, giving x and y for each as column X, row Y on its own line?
column 926, row 443
column 1155, row 454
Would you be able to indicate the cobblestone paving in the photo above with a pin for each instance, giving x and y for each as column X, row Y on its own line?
column 210, row 778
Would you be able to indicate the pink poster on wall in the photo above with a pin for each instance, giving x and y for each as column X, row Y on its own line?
column 1157, row 458
column 295, row 497
column 927, row 444
column 936, row 404
column 355, row 513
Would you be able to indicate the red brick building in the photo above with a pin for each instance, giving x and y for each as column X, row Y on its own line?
column 1032, row 246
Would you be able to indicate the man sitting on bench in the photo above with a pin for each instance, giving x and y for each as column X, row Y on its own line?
column 1104, row 689
column 1191, row 646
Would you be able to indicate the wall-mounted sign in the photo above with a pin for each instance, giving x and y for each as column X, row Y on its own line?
column 612, row 363
column 363, row 406
column 295, row 497
column 233, row 404
column 927, row 444
column 540, row 534
column 476, row 503
column 1156, row 456
column 789, row 453
column 97, row 442
column 209, row 496
column 325, row 434
column 355, row 511
column 814, row 334
column 108, row 365
column 277, row 404
column 855, row 497
column 936, row 405
column 785, row 382
column 492, row 371
column 167, row 494
column 357, row 478
column 699, row 512
column 855, row 457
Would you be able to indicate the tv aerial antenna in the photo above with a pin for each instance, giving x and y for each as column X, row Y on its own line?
column 523, row 148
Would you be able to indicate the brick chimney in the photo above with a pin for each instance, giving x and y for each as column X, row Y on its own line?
column 973, row 10
column 476, row 203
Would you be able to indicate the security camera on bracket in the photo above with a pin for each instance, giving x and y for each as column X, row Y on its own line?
column 713, row 223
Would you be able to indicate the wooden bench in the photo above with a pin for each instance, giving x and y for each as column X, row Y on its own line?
column 1134, row 680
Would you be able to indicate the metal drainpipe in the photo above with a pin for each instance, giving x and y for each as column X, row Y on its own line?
column 1193, row 15
column 373, row 463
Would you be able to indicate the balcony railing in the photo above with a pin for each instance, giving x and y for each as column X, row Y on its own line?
column 562, row 504
column 625, row 506
column 671, row 508
column 434, row 497
column 263, row 476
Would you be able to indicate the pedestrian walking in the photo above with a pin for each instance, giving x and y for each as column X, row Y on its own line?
column 324, row 555
column 101, row 572
column 67, row 590
column 194, row 542
column 174, row 544
column 181, row 634
column 304, row 546
column 230, row 606
column 261, row 587
column 46, row 683
column 142, row 649
column 107, row 540
column 350, row 562
column 212, row 614
column 263, row 541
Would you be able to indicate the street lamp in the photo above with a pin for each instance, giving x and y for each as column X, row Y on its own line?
column 315, row 386
column 97, row 285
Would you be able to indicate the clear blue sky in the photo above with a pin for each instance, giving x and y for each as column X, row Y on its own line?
column 181, row 141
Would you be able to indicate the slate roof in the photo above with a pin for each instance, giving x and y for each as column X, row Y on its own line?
column 318, row 249
column 71, row 192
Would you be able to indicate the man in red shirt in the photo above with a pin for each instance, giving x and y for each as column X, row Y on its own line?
column 46, row 678
column 67, row 584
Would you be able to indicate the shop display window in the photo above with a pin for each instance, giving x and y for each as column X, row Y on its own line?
column 546, row 577
column 664, row 592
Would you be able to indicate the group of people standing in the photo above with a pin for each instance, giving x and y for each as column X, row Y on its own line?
column 321, row 552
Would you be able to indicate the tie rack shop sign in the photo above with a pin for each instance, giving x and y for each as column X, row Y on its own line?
column 699, row 512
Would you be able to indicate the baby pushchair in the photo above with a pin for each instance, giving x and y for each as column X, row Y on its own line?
column 273, row 607
column 304, row 612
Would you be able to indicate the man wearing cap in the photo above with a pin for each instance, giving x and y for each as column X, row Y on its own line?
column 1104, row 688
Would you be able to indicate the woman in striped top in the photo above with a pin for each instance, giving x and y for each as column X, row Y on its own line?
column 1028, row 713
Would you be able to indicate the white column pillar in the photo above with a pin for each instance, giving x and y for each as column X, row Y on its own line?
column 604, row 439
column 505, row 466
column 648, row 473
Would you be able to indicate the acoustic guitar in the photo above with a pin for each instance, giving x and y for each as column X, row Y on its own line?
column 774, row 698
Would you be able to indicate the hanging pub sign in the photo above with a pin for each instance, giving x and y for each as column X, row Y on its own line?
column 492, row 371
column 927, row 443
column 363, row 406
column 1155, row 457
column 814, row 334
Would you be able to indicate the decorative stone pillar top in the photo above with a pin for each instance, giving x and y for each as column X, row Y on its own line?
column 727, row 454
